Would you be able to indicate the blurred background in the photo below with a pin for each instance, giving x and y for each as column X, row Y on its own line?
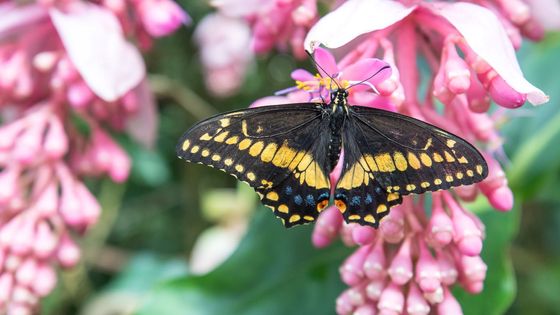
column 162, row 233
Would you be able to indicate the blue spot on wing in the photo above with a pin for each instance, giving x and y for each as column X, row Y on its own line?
column 310, row 200
column 288, row 190
column 298, row 200
column 323, row 196
column 355, row 201
column 368, row 199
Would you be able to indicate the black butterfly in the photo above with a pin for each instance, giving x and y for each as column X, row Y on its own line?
column 286, row 152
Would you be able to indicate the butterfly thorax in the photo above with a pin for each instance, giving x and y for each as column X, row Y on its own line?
column 339, row 112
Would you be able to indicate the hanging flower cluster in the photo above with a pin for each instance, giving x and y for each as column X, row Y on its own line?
column 423, row 247
column 68, row 76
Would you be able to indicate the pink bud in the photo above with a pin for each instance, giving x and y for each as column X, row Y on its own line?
column 346, row 234
column 434, row 297
column 20, row 308
column 447, row 268
column 343, row 304
column 56, row 141
column 392, row 226
column 467, row 193
column 9, row 178
column 45, row 61
column 90, row 207
column 457, row 73
column 351, row 270
column 505, row 95
column 327, row 227
column 400, row 269
column 440, row 89
column 130, row 101
column 120, row 166
column 415, row 302
column 28, row 145
column 440, row 227
column 449, row 305
column 45, row 240
column 427, row 270
column 6, row 285
column 25, row 275
column 23, row 240
column 161, row 17
column 68, row 252
column 468, row 236
column 391, row 85
column 473, row 273
column 65, row 71
column 9, row 133
column 305, row 14
column 366, row 309
column 374, row 289
column 45, row 280
column 478, row 99
column 70, row 207
column 79, row 94
column 47, row 201
column 391, row 300
column 516, row 10
column 374, row 265
column 533, row 30
column 363, row 235
column 495, row 186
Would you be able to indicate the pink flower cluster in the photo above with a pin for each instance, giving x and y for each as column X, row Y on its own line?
column 409, row 265
column 67, row 76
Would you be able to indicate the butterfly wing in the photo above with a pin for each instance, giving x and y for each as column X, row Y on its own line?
column 388, row 155
column 278, row 150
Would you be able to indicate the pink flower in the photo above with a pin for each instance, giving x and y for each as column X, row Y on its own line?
column 225, row 52
column 61, row 61
column 161, row 17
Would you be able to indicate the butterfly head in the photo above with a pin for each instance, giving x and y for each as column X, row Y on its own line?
column 339, row 97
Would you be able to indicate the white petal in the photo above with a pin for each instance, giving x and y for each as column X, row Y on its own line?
column 142, row 125
column 93, row 38
column 487, row 38
column 354, row 18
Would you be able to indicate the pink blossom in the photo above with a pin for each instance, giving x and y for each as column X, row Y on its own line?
column 60, row 61
column 161, row 17
column 414, row 259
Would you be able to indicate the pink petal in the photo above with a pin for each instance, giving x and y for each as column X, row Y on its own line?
column 366, row 68
column 16, row 17
column 326, row 62
column 237, row 8
column 546, row 12
column 354, row 18
column 488, row 39
column 93, row 37
column 142, row 125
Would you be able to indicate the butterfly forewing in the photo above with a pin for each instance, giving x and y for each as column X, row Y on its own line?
column 275, row 149
column 388, row 155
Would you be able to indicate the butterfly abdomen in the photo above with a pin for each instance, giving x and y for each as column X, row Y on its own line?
column 335, row 143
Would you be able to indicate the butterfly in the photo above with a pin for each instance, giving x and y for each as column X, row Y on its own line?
column 286, row 153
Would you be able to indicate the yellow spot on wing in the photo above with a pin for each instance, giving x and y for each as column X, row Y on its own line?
column 224, row 122
column 244, row 144
column 381, row 208
column 371, row 163
column 309, row 218
column 232, row 140
column 400, row 161
column 437, row 181
column 251, row 176
column 304, row 163
column 284, row 156
column 428, row 144
column 228, row 162
column 450, row 143
column 299, row 156
column 470, row 173
column 448, row 178
column 244, row 128
column 283, row 208
column 295, row 218
column 459, row 175
column 479, row 169
column 268, row 152
column 392, row 196
column 354, row 217
column 195, row 149
column 369, row 218
column 216, row 157
column 239, row 168
column 410, row 187
column 256, row 148
column 448, row 157
column 221, row 137
column 206, row 137
column 437, row 157
column 272, row 196
column 425, row 159
column 413, row 161
column 205, row 153
column 186, row 144
column 385, row 162
column 463, row 160
column 424, row 184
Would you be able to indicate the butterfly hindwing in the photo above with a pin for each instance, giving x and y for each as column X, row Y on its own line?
column 275, row 149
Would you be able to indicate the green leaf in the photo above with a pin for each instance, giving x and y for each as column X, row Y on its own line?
column 499, row 286
column 273, row 271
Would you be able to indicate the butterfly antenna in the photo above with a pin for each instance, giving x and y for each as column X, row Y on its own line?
column 367, row 79
column 318, row 66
